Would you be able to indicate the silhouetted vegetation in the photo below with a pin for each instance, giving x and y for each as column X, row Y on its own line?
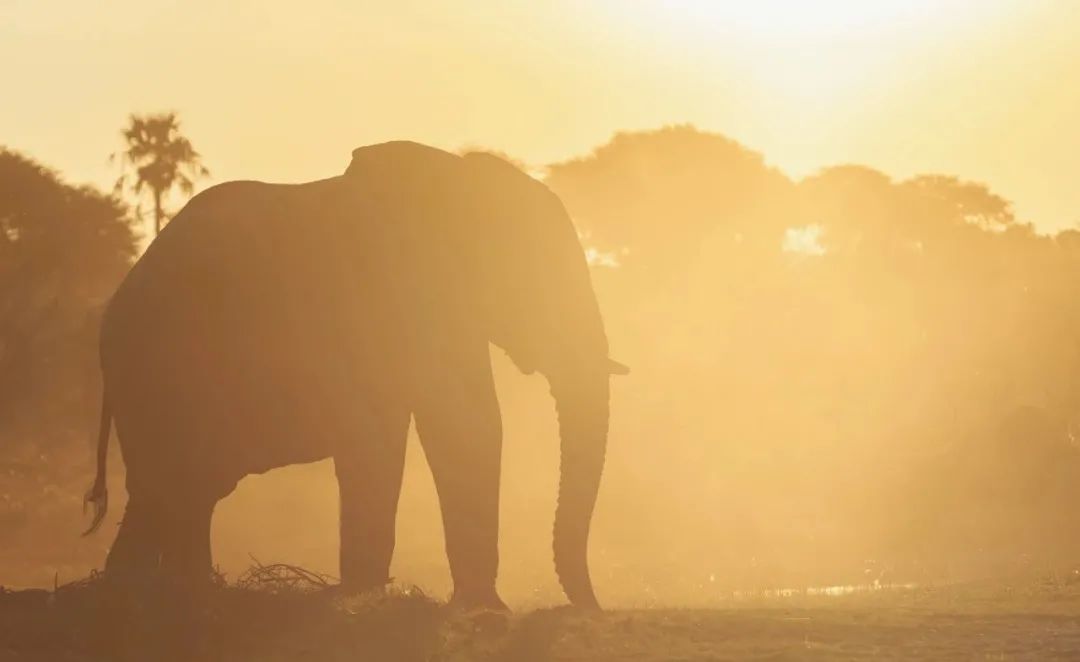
column 63, row 249
column 837, row 369
column 158, row 158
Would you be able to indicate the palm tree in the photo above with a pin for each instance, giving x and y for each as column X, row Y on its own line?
column 158, row 158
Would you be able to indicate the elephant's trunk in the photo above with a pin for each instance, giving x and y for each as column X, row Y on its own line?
column 582, row 405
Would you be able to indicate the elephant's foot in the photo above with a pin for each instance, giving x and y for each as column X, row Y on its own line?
column 477, row 600
column 364, row 573
column 358, row 587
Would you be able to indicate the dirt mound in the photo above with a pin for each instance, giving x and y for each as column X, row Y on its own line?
column 270, row 613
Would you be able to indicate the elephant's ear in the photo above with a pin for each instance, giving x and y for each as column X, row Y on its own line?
column 543, row 308
column 523, row 220
column 497, row 160
column 497, row 168
column 528, row 219
column 516, row 199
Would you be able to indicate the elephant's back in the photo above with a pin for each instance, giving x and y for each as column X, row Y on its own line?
column 246, row 272
column 240, row 256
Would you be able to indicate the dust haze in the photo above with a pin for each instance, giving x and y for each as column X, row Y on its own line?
column 843, row 379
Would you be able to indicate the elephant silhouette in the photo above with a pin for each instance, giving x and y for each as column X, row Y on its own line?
column 273, row 324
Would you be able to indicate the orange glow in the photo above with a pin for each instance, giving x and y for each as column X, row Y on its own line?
column 837, row 243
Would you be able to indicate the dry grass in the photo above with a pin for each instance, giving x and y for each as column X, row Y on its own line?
column 273, row 612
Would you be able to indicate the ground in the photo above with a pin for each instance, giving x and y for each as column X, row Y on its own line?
column 276, row 614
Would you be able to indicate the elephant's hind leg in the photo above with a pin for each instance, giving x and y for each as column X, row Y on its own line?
column 369, row 472
column 185, row 550
column 136, row 553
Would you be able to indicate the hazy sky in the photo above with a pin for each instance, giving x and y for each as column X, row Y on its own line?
column 282, row 90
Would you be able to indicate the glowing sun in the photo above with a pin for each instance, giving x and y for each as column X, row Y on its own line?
column 799, row 19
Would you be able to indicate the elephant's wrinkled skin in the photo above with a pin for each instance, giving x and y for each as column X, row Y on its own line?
column 275, row 324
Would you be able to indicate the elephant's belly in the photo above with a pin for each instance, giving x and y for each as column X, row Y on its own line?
column 245, row 393
column 276, row 425
column 198, row 418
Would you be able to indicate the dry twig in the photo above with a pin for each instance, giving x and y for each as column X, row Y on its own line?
column 282, row 577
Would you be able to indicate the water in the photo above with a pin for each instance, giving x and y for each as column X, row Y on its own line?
column 826, row 591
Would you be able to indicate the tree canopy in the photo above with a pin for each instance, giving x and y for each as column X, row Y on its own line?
column 158, row 159
column 844, row 327
column 63, row 249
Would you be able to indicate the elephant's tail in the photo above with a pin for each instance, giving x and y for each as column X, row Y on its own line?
column 98, row 495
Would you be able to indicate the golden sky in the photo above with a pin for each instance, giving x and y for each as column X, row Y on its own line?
column 283, row 90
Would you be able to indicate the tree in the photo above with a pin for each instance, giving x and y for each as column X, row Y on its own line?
column 63, row 250
column 656, row 197
column 158, row 159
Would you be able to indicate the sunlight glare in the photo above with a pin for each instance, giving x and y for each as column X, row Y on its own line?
column 804, row 241
column 794, row 19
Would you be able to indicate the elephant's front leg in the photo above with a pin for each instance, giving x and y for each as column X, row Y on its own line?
column 369, row 471
column 460, row 428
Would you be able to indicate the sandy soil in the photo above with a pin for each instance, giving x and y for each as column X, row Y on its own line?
column 1033, row 619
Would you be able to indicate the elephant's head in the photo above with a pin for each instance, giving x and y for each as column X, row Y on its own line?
column 534, row 292
column 544, row 314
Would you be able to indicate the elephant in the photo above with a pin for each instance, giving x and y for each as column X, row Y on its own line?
column 275, row 324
